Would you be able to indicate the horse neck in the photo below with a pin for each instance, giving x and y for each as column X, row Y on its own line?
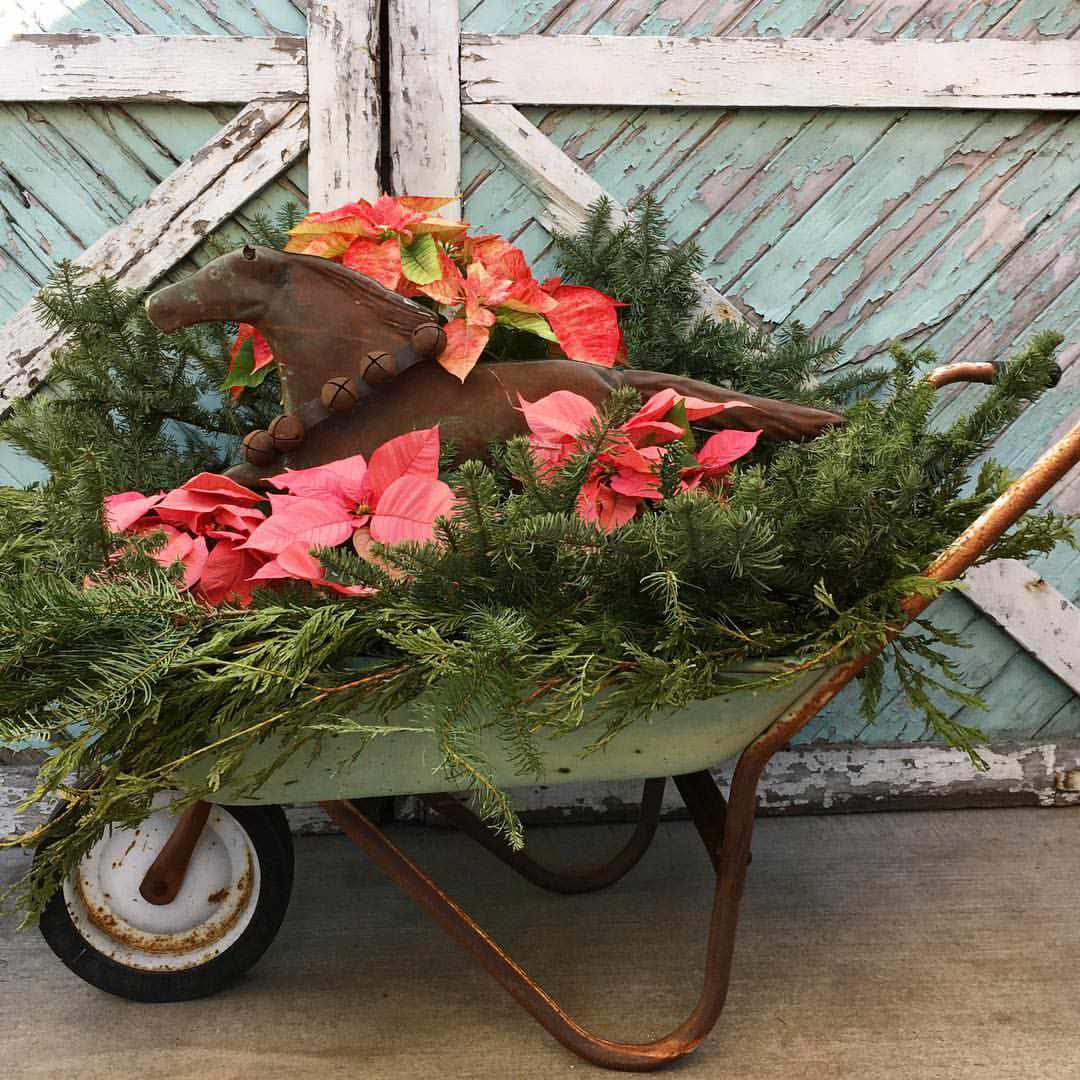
column 322, row 324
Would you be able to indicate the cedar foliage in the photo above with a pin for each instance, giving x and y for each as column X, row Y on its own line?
column 523, row 620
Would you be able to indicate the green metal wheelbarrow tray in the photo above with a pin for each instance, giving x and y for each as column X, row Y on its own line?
column 137, row 917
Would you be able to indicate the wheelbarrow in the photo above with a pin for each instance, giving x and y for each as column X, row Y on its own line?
column 176, row 908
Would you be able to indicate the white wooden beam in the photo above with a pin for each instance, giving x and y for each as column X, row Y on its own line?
column 424, row 99
column 1032, row 612
column 564, row 189
column 146, row 67
column 568, row 69
column 245, row 155
column 343, row 96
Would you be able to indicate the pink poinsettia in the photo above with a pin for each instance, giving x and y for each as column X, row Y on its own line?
column 394, row 499
column 203, row 521
column 626, row 473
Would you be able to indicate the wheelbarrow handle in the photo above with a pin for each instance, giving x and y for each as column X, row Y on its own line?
column 976, row 371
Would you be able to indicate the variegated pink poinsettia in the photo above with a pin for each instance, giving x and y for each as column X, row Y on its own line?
column 477, row 281
column 393, row 499
column 227, row 545
column 626, row 473
column 497, row 286
column 391, row 240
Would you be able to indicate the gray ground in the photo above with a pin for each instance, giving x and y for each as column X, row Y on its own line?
column 909, row 946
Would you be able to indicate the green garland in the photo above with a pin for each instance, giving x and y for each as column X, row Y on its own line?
column 522, row 614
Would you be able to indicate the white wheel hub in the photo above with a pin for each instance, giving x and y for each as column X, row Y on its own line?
column 212, row 909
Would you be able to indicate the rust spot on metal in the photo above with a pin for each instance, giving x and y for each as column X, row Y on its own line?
column 200, row 937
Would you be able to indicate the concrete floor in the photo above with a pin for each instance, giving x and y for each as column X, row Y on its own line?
column 903, row 946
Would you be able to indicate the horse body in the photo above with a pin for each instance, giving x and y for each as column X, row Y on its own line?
column 322, row 320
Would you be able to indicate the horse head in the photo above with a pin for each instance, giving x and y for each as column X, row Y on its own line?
column 320, row 319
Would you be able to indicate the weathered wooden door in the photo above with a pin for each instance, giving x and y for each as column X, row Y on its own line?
column 877, row 171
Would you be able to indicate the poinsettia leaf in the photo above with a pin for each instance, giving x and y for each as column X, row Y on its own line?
column 243, row 372
column 380, row 260
column 425, row 203
column 441, row 229
column 309, row 521
column 558, row 416
column 527, row 321
column 126, row 509
column 586, row 324
column 677, row 415
column 351, row 218
column 726, row 446
column 223, row 489
column 415, row 453
column 408, row 508
column 420, row 260
column 228, row 572
column 340, row 481
column 331, row 245
column 465, row 342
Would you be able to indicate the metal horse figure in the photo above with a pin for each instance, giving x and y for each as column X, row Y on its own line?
column 323, row 321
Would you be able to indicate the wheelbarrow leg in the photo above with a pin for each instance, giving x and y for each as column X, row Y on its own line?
column 560, row 881
column 731, row 863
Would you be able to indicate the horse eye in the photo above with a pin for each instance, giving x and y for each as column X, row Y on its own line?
column 249, row 252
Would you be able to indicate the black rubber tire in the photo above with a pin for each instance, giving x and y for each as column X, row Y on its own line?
column 268, row 832
column 281, row 825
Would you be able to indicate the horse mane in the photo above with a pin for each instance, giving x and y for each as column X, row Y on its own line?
column 392, row 307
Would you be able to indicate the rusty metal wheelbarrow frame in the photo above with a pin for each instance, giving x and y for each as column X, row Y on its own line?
column 725, row 826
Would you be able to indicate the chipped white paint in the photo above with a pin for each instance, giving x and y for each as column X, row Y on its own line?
column 840, row 778
column 260, row 142
column 786, row 72
column 564, row 189
column 343, row 96
column 808, row 779
column 424, row 99
column 146, row 67
column 1033, row 612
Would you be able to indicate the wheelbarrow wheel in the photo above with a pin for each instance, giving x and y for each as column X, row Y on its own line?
column 230, row 906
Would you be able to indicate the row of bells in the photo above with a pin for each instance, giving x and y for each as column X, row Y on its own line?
column 339, row 394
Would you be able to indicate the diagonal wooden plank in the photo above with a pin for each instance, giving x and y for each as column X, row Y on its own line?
column 564, row 189
column 785, row 72
column 1032, row 612
column 344, row 101
column 245, row 155
column 147, row 67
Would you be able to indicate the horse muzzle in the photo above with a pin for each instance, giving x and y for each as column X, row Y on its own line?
column 175, row 306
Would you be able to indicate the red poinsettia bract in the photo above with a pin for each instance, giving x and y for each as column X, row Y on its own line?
column 205, row 521
column 627, row 471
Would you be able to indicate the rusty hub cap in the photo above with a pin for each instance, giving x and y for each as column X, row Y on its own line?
column 211, row 911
